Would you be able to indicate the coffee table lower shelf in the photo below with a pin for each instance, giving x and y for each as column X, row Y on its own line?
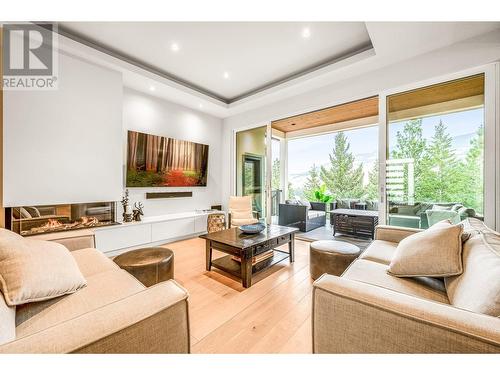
column 227, row 264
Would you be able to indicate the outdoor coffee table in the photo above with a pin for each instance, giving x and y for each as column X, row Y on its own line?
column 246, row 246
column 354, row 222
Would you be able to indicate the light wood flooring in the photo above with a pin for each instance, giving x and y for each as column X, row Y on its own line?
column 272, row 316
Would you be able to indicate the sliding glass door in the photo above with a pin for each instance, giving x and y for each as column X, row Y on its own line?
column 435, row 153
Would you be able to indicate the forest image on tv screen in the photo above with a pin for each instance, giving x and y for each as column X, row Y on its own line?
column 160, row 161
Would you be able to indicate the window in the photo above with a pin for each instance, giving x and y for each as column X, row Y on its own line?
column 435, row 156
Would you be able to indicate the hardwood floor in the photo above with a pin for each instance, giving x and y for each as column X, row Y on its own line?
column 272, row 316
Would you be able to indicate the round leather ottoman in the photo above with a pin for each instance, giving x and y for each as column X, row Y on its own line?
column 149, row 265
column 332, row 257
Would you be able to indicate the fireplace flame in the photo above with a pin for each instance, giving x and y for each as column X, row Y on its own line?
column 52, row 223
column 89, row 221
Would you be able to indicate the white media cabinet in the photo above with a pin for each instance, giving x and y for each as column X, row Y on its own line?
column 152, row 230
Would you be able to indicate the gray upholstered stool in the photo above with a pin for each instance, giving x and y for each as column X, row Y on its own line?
column 332, row 257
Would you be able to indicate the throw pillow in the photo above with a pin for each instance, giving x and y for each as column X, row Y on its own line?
column 343, row 204
column 305, row 202
column 33, row 211
column 35, row 270
column 466, row 212
column 435, row 252
column 437, row 207
column 478, row 288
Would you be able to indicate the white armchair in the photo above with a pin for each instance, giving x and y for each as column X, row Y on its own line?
column 240, row 211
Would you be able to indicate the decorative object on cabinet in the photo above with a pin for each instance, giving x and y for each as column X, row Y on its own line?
column 127, row 208
column 138, row 212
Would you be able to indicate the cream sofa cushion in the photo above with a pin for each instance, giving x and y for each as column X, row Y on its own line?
column 380, row 251
column 376, row 274
column 238, row 222
column 35, row 270
column 7, row 321
column 92, row 261
column 435, row 252
column 478, row 287
column 102, row 289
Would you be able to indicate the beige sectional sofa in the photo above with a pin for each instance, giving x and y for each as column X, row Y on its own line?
column 367, row 310
column 114, row 313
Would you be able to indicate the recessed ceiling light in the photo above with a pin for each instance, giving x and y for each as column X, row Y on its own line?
column 226, row 75
column 200, row 105
column 306, row 32
column 174, row 47
column 152, row 88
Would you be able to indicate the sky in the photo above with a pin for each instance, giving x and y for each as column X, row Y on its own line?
column 304, row 152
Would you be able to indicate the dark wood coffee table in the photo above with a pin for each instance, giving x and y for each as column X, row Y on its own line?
column 235, row 243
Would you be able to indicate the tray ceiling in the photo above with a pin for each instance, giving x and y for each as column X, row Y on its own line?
column 226, row 60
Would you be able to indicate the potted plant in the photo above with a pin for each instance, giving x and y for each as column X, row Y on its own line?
column 322, row 195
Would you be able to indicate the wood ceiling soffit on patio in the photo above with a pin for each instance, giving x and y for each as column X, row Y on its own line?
column 436, row 94
column 341, row 113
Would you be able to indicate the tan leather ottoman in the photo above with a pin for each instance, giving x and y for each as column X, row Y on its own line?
column 332, row 257
column 149, row 265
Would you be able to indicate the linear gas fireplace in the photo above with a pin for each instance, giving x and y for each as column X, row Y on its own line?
column 31, row 220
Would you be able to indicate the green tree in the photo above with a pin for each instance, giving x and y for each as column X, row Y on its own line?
column 276, row 175
column 312, row 184
column 441, row 180
column 470, row 187
column 291, row 191
column 371, row 189
column 342, row 178
column 410, row 144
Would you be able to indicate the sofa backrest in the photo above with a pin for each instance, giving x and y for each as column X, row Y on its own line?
column 346, row 203
column 73, row 240
column 478, row 287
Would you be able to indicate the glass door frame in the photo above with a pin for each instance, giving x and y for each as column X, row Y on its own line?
column 268, row 163
column 491, row 138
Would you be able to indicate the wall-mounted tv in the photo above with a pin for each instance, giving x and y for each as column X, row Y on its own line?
column 154, row 161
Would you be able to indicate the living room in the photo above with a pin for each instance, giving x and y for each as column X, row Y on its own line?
column 165, row 189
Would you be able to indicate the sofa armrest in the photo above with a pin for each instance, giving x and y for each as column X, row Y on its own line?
column 154, row 320
column 73, row 240
column 392, row 233
column 292, row 214
column 355, row 317
column 318, row 206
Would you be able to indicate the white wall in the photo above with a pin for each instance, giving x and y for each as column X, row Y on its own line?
column 69, row 145
column 464, row 55
column 152, row 115
column 64, row 146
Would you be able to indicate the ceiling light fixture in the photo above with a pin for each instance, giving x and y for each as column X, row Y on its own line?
column 226, row 75
column 152, row 88
column 306, row 32
column 174, row 47
column 200, row 105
